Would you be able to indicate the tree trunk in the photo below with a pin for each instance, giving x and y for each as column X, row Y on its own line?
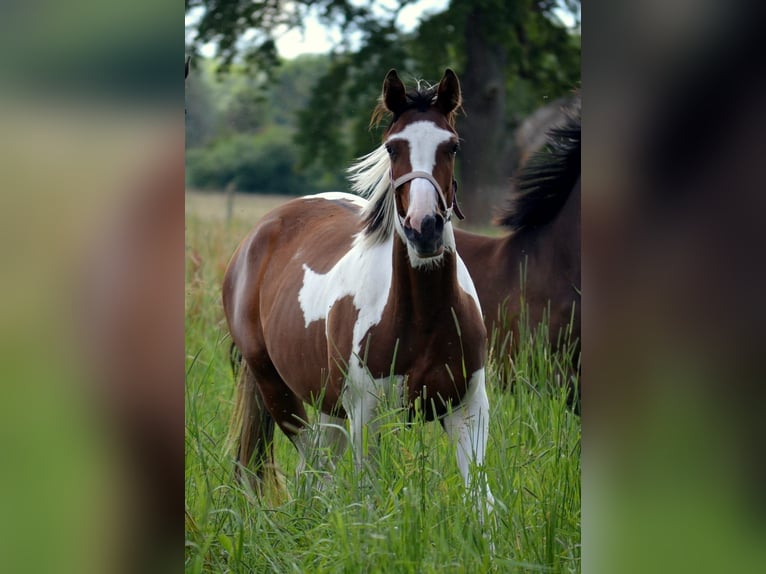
column 486, row 157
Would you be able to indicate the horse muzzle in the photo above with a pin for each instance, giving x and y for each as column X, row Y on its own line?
column 428, row 241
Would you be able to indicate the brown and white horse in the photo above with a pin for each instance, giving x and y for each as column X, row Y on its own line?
column 541, row 254
column 337, row 300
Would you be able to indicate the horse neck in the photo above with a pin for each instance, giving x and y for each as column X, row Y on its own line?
column 558, row 240
column 421, row 293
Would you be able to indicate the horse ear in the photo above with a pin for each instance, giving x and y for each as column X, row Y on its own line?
column 394, row 97
column 448, row 93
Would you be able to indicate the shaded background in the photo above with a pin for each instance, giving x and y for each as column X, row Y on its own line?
column 92, row 360
column 92, row 169
column 259, row 121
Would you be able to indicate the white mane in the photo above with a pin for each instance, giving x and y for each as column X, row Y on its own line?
column 370, row 177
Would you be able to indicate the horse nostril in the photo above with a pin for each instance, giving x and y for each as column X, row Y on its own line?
column 428, row 225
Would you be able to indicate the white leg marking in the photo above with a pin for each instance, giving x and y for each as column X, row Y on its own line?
column 320, row 447
column 303, row 442
column 361, row 403
column 467, row 426
column 361, row 400
column 332, row 438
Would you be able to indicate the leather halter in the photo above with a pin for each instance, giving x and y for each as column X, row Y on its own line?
column 401, row 180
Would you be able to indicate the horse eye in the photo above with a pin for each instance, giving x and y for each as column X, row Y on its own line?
column 390, row 150
column 455, row 149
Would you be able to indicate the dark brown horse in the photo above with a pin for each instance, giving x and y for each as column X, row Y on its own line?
column 337, row 300
column 541, row 254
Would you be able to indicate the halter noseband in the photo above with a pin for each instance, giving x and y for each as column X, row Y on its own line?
column 401, row 180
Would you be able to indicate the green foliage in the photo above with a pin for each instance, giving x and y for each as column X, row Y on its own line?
column 264, row 162
column 542, row 63
column 320, row 138
column 239, row 134
column 334, row 126
column 226, row 23
column 542, row 57
column 245, row 112
column 244, row 101
column 244, row 160
column 201, row 116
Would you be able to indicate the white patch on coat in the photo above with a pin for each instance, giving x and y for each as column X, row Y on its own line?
column 337, row 196
column 364, row 273
column 465, row 281
column 468, row 426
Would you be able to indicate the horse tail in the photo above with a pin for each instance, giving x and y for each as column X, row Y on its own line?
column 235, row 360
column 251, row 429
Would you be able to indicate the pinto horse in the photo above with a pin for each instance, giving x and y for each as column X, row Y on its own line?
column 541, row 254
column 339, row 301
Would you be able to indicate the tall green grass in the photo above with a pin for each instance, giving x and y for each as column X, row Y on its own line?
column 411, row 512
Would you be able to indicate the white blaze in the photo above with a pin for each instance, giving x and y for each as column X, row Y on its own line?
column 423, row 138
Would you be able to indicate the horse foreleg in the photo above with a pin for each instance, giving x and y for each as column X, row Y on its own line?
column 360, row 403
column 467, row 427
column 321, row 445
column 333, row 439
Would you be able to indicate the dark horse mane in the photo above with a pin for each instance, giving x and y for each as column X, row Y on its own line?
column 548, row 177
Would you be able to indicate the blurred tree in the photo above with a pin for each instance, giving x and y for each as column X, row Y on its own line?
column 512, row 56
column 201, row 119
column 245, row 29
column 249, row 141
column 263, row 162
column 245, row 112
column 334, row 125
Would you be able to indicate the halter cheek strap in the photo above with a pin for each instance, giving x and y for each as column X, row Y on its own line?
column 455, row 204
column 396, row 184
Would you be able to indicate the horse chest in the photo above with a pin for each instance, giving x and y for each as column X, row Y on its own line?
column 428, row 356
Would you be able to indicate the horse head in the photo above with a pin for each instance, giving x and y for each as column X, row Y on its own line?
column 421, row 143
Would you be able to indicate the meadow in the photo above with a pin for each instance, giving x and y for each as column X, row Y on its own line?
column 413, row 514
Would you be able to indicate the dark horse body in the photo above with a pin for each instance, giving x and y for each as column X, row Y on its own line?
column 338, row 300
column 541, row 254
